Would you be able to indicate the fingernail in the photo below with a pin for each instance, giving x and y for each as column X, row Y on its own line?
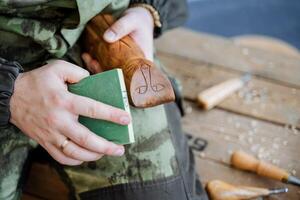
column 110, row 35
column 119, row 152
column 125, row 120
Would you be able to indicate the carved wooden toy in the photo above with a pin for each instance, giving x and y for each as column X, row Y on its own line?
column 147, row 86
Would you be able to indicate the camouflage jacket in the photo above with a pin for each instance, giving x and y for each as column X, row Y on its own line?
column 38, row 29
column 35, row 30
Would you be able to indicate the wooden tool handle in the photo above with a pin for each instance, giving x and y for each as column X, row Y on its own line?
column 214, row 95
column 146, row 85
column 219, row 190
column 244, row 161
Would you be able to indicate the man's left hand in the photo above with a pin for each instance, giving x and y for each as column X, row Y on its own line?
column 136, row 22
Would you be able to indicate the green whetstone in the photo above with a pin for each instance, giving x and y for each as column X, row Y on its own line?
column 107, row 87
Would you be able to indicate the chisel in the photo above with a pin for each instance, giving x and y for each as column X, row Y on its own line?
column 244, row 161
column 214, row 95
column 219, row 190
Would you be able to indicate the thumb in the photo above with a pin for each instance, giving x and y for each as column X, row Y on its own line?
column 122, row 27
column 69, row 72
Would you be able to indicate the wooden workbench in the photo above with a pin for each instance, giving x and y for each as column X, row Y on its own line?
column 262, row 119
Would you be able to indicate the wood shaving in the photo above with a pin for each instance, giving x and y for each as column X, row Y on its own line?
column 188, row 109
column 275, row 161
column 241, row 137
column 250, row 140
column 250, row 133
column 221, row 129
column 202, row 155
column 237, row 125
column 263, row 139
column 229, row 152
column 253, row 123
column 275, row 146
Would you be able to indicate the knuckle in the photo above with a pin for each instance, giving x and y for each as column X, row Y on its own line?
column 83, row 140
column 60, row 99
column 133, row 17
column 92, row 110
column 112, row 116
column 70, row 104
column 52, row 119
column 108, row 149
column 72, row 153
column 119, row 28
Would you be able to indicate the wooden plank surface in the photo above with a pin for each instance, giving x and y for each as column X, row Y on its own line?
column 227, row 132
column 262, row 98
column 223, row 52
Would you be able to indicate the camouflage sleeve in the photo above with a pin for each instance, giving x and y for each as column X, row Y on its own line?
column 47, row 26
column 36, row 21
column 87, row 10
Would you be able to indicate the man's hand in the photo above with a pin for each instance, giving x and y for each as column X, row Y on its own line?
column 43, row 109
column 136, row 22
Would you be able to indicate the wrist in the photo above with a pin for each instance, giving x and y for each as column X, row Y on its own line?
column 151, row 11
column 9, row 72
column 143, row 15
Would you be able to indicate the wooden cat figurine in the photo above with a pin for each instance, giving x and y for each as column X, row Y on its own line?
column 147, row 86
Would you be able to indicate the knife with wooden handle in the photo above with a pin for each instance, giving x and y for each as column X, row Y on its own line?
column 244, row 161
column 212, row 96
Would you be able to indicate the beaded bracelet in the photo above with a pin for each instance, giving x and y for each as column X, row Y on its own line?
column 154, row 13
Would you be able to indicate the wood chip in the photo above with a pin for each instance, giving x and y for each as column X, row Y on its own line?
column 253, row 123
column 250, row 140
column 202, row 155
column 188, row 110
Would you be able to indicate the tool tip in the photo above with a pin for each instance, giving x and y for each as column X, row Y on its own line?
column 293, row 180
column 279, row 190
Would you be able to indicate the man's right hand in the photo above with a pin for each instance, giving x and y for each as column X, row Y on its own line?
column 44, row 110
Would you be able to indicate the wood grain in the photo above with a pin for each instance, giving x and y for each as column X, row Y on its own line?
column 225, row 53
column 227, row 132
column 262, row 99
